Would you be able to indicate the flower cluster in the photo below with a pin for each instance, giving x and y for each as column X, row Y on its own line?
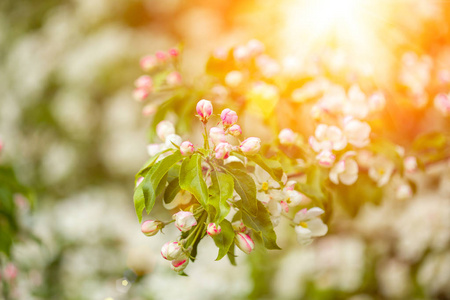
column 224, row 189
column 162, row 74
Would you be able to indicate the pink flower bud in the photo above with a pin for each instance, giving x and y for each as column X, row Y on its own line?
column 1, row 145
column 239, row 226
column 173, row 52
column 244, row 242
column 140, row 94
column 184, row 220
column 204, row 110
column 287, row 137
column 11, row 271
column 149, row 110
column 326, row 158
column 148, row 63
column 161, row 56
column 235, row 130
column 172, row 251
column 229, row 117
column 251, row 145
column 217, row 135
column 410, row 164
column 139, row 181
column 151, row 227
column 164, row 129
column 442, row 103
column 213, row 229
column 187, row 148
column 223, row 150
column 174, row 79
column 403, row 192
column 180, row 263
column 144, row 81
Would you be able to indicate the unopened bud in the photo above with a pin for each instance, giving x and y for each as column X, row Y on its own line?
column 235, row 130
column 244, row 242
column 173, row 52
column 239, row 226
column 171, row 250
column 184, row 220
column 144, row 81
column 164, row 129
column 151, row 227
column 223, row 150
column 251, row 145
column 187, row 148
column 161, row 56
column 140, row 94
column 204, row 110
column 174, row 79
column 148, row 63
column 213, row 229
column 229, row 117
column 217, row 135
column 180, row 263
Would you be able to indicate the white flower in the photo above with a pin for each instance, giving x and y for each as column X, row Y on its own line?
column 325, row 158
column 154, row 149
column 403, row 192
column 345, row 170
column 287, row 136
column 184, row 220
column 173, row 139
column 356, row 104
column 357, row 132
column 381, row 170
column 182, row 197
column 309, row 225
column 410, row 164
column 234, row 78
column 327, row 138
column 377, row 101
column 333, row 100
column 164, row 129
column 264, row 182
column 442, row 103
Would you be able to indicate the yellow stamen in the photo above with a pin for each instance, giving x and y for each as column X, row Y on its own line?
column 303, row 224
column 265, row 186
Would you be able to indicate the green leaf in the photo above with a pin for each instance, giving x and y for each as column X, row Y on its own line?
column 172, row 190
column 224, row 239
column 139, row 202
column 154, row 177
column 262, row 225
column 148, row 165
column 220, row 191
column 191, row 178
column 271, row 166
column 231, row 255
column 245, row 186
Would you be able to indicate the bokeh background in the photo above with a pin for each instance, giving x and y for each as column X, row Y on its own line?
column 75, row 136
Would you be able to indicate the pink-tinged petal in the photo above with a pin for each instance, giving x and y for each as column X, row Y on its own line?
column 314, row 212
column 317, row 227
